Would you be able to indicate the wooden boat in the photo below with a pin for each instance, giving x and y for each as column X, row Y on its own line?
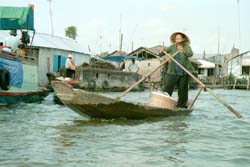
column 99, row 77
column 27, row 89
column 98, row 106
column 18, row 73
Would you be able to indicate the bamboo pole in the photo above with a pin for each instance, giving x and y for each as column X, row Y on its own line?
column 235, row 81
column 146, row 76
column 196, row 97
column 150, row 84
column 204, row 86
column 248, row 81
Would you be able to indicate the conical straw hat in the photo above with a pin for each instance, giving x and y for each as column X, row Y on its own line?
column 172, row 37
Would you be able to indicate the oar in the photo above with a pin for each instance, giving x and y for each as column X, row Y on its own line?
column 204, row 86
column 196, row 97
column 146, row 76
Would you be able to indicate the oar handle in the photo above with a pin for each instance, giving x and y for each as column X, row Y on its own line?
column 147, row 75
column 188, row 72
column 204, row 86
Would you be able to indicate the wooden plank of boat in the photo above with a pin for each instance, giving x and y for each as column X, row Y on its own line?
column 98, row 106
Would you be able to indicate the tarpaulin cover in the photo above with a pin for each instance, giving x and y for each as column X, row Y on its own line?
column 12, row 18
column 120, row 58
column 15, row 69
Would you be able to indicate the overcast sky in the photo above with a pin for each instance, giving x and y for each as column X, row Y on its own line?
column 146, row 22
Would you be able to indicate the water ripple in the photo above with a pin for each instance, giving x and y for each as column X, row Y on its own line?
column 47, row 134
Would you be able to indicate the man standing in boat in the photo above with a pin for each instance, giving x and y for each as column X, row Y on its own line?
column 70, row 67
column 175, row 75
column 12, row 41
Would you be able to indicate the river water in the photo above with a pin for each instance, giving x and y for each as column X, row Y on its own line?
column 51, row 135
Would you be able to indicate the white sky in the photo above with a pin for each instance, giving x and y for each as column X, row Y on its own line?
column 146, row 22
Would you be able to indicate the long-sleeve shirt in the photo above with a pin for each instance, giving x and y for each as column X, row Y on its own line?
column 69, row 64
column 183, row 58
column 13, row 42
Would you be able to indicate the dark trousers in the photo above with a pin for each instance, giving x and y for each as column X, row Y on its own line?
column 70, row 73
column 182, row 84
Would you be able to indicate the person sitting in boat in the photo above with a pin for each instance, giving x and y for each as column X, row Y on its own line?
column 12, row 41
column 133, row 67
column 70, row 67
column 175, row 75
column 1, row 45
column 22, row 50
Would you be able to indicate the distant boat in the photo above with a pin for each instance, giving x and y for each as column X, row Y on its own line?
column 18, row 75
column 94, row 105
column 99, row 79
column 18, row 80
column 99, row 76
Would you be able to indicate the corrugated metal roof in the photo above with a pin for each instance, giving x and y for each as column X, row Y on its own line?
column 206, row 64
column 49, row 41
column 141, row 49
column 156, row 49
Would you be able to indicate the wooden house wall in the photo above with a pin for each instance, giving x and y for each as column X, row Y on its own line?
column 234, row 67
column 146, row 66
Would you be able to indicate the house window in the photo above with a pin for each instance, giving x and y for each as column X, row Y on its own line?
column 210, row 72
column 245, row 70
column 201, row 71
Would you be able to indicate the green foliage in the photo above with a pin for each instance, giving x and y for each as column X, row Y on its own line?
column 71, row 32
column 230, row 79
column 242, row 81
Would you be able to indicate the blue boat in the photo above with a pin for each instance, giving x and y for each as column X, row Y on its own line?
column 18, row 74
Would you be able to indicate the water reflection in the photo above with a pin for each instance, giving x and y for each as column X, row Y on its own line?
column 164, row 138
column 176, row 131
column 79, row 128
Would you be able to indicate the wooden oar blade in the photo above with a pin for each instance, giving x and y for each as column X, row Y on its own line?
column 224, row 103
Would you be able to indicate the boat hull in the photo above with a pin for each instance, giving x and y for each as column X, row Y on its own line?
column 97, row 106
column 123, row 110
column 24, row 73
column 27, row 97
